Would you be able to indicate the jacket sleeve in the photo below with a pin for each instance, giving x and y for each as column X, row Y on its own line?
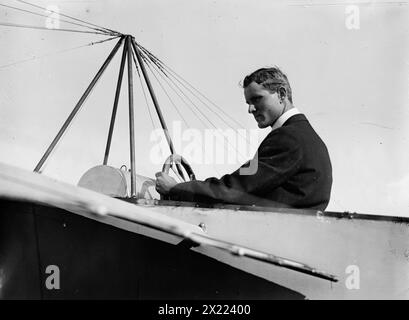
column 278, row 158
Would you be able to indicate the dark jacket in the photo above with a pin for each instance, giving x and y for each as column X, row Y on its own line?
column 293, row 170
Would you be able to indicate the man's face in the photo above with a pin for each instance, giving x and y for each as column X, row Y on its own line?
column 263, row 104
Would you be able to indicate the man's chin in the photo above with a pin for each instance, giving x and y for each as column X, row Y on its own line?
column 261, row 125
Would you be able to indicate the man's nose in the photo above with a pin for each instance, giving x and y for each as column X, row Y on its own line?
column 252, row 108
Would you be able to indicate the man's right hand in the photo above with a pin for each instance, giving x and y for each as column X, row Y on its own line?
column 164, row 183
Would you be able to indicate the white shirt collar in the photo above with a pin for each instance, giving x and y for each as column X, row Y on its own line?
column 284, row 117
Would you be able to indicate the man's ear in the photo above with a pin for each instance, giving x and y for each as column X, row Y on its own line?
column 282, row 93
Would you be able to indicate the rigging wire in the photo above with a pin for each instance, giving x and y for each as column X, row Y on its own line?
column 175, row 76
column 67, row 16
column 143, row 91
column 180, row 97
column 53, row 53
column 164, row 90
column 204, row 124
column 211, row 123
column 143, row 60
column 134, row 60
column 224, row 138
column 149, row 62
column 194, row 105
column 53, row 18
column 7, row 24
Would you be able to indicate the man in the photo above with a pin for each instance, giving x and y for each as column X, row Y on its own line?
column 293, row 165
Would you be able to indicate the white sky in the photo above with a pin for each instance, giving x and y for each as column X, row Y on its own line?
column 351, row 84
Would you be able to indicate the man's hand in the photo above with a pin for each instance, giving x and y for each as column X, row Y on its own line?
column 164, row 183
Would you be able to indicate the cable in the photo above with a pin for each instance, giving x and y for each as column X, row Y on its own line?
column 169, row 141
column 43, row 15
column 162, row 66
column 44, row 28
column 53, row 53
column 194, row 105
column 224, row 138
column 67, row 16
column 207, row 106
column 170, row 99
column 176, row 75
column 143, row 91
column 148, row 62
column 182, row 99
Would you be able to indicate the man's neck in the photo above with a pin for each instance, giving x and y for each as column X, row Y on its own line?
column 285, row 116
column 288, row 106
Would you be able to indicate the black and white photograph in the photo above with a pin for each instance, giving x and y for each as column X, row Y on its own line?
column 204, row 154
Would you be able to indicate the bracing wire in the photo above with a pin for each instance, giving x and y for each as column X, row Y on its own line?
column 143, row 59
column 147, row 63
column 211, row 123
column 162, row 67
column 7, row 24
column 53, row 18
column 194, row 105
column 143, row 91
column 70, row 17
column 224, row 138
column 166, row 93
column 172, row 73
column 180, row 96
column 54, row 53
column 204, row 124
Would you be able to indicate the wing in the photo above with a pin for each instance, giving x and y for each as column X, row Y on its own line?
column 22, row 185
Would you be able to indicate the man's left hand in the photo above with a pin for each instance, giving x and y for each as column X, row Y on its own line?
column 164, row 183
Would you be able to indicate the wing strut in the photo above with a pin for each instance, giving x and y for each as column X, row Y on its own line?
column 77, row 107
column 129, row 44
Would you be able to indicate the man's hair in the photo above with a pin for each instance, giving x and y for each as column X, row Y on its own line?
column 271, row 79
